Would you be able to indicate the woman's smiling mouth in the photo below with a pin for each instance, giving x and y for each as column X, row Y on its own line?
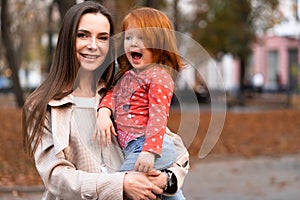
column 88, row 56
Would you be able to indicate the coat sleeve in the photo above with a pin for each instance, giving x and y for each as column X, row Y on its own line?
column 64, row 181
column 181, row 166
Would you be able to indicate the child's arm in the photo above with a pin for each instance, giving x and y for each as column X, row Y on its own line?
column 145, row 162
column 160, row 96
column 104, row 126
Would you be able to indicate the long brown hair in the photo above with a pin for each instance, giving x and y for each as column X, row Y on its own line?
column 160, row 38
column 60, row 80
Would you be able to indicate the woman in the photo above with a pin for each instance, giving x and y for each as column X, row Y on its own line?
column 58, row 114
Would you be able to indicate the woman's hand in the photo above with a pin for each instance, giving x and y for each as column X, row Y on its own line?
column 136, row 186
column 104, row 127
column 158, row 178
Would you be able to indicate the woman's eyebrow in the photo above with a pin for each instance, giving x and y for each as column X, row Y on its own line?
column 86, row 31
column 103, row 33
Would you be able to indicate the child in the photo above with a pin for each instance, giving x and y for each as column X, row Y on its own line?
column 141, row 97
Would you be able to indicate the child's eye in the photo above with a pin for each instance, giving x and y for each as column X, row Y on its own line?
column 128, row 37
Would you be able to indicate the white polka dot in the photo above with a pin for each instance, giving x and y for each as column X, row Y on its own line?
column 141, row 95
column 158, row 100
column 158, row 120
column 165, row 97
column 156, row 129
column 160, row 137
column 158, row 147
column 129, row 116
column 153, row 139
column 159, row 90
column 150, row 149
column 136, row 121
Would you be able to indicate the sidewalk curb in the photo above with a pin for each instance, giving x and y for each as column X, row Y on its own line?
column 20, row 188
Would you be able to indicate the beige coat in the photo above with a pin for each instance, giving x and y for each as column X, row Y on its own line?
column 73, row 166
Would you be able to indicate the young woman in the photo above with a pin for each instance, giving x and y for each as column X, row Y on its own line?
column 60, row 115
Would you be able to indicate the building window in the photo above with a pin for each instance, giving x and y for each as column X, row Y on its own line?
column 273, row 61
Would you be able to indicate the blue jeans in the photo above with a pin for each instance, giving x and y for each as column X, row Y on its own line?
column 134, row 147
column 177, row 196
column 168, row 157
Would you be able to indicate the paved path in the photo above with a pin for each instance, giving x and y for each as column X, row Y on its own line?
column 262, row 178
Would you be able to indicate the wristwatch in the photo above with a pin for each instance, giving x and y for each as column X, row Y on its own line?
column 171, row 182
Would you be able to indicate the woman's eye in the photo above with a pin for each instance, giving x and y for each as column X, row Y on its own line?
column 103, row 38
column 81, row 35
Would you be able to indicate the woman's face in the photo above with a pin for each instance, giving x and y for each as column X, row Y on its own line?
column 92, row 40
column 138, row 56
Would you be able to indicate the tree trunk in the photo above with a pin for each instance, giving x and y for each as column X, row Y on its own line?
column 175, row 14
column 12, row 59
column 241, row 95
column 63, row 6
column 152, row 3
column 50, row 40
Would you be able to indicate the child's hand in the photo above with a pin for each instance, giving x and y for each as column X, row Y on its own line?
column 104, row 127
column 145, row 162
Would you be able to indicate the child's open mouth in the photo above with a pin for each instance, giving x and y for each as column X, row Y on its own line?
column 136, row 55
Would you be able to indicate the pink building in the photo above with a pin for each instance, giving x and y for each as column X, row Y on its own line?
column 277, row 58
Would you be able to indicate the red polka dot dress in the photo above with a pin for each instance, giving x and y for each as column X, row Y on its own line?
column 140, row 103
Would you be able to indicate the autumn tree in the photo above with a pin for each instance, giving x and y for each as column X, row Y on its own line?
column 231, row 26
column 22, row 26
column 12, row 55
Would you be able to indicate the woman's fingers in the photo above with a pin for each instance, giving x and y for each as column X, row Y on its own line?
column 137, row 187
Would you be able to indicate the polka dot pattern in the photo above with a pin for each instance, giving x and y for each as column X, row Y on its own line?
column 147, row 95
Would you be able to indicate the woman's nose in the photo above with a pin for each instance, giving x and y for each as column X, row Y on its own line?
column 92, row 45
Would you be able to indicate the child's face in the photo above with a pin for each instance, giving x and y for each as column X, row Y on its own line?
column 138, row 56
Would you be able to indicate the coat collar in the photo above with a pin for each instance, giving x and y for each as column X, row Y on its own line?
column 61, row 120
column 60, row 102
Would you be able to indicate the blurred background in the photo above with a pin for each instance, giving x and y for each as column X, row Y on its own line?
column 254, row 44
